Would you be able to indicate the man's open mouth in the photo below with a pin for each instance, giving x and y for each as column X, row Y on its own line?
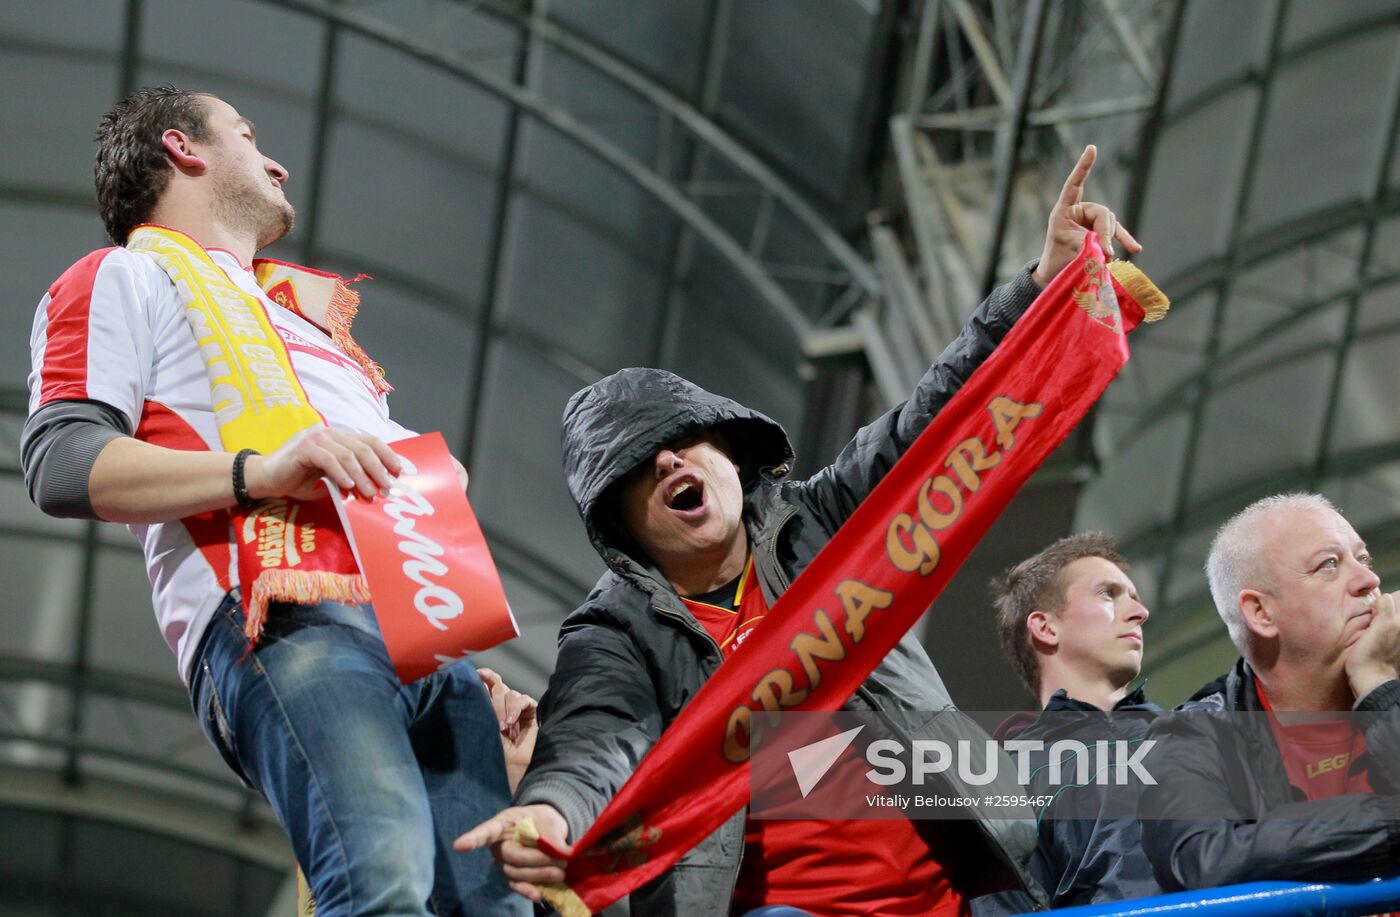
column 685, row 495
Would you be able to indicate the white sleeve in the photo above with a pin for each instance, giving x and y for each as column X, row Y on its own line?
column 92, row 336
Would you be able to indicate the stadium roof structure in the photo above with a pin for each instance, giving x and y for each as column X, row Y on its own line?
column 793, row 202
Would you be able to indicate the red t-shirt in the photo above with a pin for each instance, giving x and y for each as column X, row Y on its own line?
column 1318, row 756
column 833, row 868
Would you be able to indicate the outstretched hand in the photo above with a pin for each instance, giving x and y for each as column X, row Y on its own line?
column 525, row 868
column 1072, row 217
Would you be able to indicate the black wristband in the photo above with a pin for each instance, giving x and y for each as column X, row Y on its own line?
column 240, row 486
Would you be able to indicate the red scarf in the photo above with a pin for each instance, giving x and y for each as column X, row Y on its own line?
column 873, row 580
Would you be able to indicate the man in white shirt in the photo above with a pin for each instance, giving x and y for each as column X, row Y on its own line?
column 371, row 779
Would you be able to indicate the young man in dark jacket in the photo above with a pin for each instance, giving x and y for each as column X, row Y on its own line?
column 685, row 495
column 1244, row 795
column 1070, row 623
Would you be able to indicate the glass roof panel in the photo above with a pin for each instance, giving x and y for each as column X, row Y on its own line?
column 124, row 636
column 664, row 38
column 1207, row 151
column 1309, row 21
column 69, row 25
column 1377, row 310
column 1188, row 574
column 245, row 43
column 559, row 172
column 1268, row 296
column 1370, row 499
column 793, row 85
column 36, row 709
column 600, row 103
column 797, row 260
column 1312, row 330
column 53, row 100
column 517, row 485
column 1340, row 95
column 386, row 91
column 1256, row 431
column 1219, row 43
column 1395, row 164
column 42, row 582
column 19, row 516
column 160, row 735
column 1385, row 253
column 1370, row 390
column 595, row 296
column 737, row 361
column 431, row 210
column 463, row 30
column 1117, row 502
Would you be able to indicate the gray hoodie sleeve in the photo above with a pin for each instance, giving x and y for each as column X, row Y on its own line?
column 58, row 447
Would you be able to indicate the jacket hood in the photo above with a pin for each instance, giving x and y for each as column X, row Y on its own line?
column 615, row 424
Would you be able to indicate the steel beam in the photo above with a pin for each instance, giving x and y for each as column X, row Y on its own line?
column 320, row 141
column 1198, row 409
column 698, row 122
column 1318, row 43
column 1009, row 139
column 568, row 125
column 1379, row 183
column 680, row 252
column 1152, row 127
column 197, row 823
column 1159, row 409
column 525, row 60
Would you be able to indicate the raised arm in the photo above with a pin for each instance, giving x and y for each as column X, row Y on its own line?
column 840, row 487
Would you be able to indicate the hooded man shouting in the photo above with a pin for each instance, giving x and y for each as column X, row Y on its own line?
column 686, row 496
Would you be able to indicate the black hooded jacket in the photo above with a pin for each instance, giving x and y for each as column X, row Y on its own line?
column 631, row 656
column 1223, row 810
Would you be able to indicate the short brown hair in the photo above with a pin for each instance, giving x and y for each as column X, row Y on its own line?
column 131, row 171
column 1036, row 584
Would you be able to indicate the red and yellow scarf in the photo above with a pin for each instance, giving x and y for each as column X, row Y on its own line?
column 288, row 550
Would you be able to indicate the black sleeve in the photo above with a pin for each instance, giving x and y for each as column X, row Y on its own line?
column 836, row 491
column 1379, row 714
column 598, row 717
column 58, row 447
column 1198, row 834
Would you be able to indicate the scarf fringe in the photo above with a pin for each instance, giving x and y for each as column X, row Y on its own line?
column 560, row 897
column 564, row 900
column 1148, row 295
column 300, row 587
column 340, row 313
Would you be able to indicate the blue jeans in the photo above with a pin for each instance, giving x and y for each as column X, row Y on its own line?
column 371, row 779
column 777, row 910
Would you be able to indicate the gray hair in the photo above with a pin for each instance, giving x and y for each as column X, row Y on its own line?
column 1236, row 560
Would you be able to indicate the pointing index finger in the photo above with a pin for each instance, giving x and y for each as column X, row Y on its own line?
column 1073, row 191
column 488, row 832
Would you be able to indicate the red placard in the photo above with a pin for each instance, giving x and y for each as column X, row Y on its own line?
column 436, row 592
